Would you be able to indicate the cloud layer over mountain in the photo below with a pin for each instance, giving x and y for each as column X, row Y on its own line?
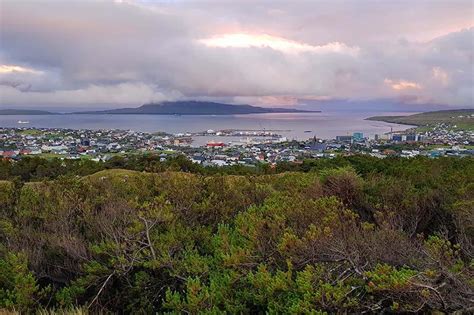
column 92, row 53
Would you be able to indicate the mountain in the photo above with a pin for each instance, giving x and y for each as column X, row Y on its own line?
column 25, row 112
column 464, row 116
column 195, row 108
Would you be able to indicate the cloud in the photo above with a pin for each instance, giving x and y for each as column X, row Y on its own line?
column 24, row 78
column 7, row 69
column 283, row 100
column 402, row 84
column 240, row 40
column 112, row 95
column 440, row 75
column 129, row 52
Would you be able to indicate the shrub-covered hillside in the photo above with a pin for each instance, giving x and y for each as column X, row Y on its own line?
column 350, row 235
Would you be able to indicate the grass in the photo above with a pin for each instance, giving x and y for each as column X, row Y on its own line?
column 424, row 128
column 30, row 132
column 115, row 174
column 50, row 156
column 69, row 311
column 439, row 146
column 429, row 118
column 465, row 125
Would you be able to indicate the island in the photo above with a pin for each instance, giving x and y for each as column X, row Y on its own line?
column 25, row 112
column 196, row 108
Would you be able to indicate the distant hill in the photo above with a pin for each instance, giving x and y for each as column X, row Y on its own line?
column 458, row 116
column 195, row 108
column 25, row 112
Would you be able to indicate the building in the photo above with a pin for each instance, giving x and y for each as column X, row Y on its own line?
column 347, row 139
column 85, row 142
column 9, row 154
column 396, row 137
column 358, row 136
column 382, row 137
column 25, row 152
column 198, row 159
column 215, row 144
column 317, row 146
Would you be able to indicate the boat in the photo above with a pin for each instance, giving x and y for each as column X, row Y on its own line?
column 307, row 131
column 23, row 122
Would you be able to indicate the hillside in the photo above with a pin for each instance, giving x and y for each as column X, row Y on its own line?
column 25, row 112
column 351, row 235
column 194, row 108
column 459, row 116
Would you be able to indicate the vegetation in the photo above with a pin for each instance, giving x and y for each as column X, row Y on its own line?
column 347, row 235
column 429, row 118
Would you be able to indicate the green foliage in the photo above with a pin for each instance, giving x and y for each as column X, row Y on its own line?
column 346, row 235
column 18, row 287
column 385, row 278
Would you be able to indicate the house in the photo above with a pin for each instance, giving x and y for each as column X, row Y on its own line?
column 54, row 148
column 389, row 152
column 219, row 162
column 347, row 139
column 9, row 154
column 381, row 137
column 215, row 144
column 197, row 159
column 318, row 146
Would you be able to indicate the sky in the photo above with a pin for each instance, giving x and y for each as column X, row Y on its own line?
column 116, row 53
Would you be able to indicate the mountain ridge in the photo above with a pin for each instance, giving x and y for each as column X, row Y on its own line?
column 9, row 111
column 196, row 108
column 426, row 118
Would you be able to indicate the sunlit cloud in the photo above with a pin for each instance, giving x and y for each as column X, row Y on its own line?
column 402, row 84
column 278, row 100
column 243, row 40
column 5, row 69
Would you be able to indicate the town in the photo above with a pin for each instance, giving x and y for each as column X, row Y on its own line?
column 253, row 146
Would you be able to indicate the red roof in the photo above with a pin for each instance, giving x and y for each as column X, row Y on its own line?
column 215, row 144
column 7, row 154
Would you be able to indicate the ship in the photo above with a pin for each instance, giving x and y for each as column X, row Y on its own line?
column 23, row 122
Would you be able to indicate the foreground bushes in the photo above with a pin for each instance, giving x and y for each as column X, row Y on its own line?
column 343, row 239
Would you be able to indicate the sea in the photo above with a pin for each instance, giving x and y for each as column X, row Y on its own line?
column 298, row 126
